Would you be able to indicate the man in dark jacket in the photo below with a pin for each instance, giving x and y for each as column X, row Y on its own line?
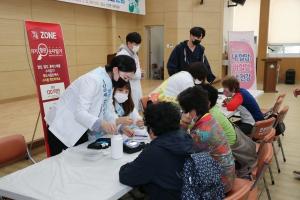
column 158, row 168
column 189, row 51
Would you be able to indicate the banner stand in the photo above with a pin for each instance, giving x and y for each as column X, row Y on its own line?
column 34, row 131
column 242, row 59
column 50, row 68
column 39, row 113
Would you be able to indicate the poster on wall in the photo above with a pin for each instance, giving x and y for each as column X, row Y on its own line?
column 49, row 65
column 241, row 57
column 130, row 6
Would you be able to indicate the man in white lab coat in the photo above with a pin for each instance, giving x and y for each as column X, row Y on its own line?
column 86, row 105
column 133, row 41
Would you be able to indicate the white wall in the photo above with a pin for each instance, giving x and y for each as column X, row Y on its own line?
column 227, row 23
column 284, row 24
column 241, row 18
column 246, row 18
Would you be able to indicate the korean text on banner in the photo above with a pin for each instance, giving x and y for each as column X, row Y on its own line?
column 242, row 59
column 49, row 64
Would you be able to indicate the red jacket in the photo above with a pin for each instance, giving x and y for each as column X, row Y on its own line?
column 234, row 102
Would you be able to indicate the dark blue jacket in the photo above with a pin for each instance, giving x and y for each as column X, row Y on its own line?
column 250, row 103
column 158, row 168
column 182, row 56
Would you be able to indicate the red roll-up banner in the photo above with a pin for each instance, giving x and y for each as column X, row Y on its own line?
column 49, row 65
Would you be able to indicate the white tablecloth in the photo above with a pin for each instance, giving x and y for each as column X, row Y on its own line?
column 77, row 173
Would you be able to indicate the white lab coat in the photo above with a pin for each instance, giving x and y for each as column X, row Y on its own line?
column 87, row 100
column 135, row 83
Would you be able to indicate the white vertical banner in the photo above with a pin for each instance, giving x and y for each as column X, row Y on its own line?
column 241, row 57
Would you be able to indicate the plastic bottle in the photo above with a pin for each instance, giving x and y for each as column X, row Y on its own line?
column 117, row 146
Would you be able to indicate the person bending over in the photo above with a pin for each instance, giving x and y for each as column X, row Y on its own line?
column 232, row 88
column 195, row 74
column 86, row 105
column 207, row 134
column 239, row 99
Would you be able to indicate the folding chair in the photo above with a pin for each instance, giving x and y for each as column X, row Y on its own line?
column 13, row 148
column 241, row 190
column 263, row 131
column 280, row 118
column 265, row 155
column 247, row 190
column 276, row 106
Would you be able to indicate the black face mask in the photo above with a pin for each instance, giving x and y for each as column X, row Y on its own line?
column 119, row 83
column 196, row 42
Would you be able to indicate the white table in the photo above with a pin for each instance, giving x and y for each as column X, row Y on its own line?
column 228, row 114
column 77, row 173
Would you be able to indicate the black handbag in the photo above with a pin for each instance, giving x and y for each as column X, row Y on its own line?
column 280, row 128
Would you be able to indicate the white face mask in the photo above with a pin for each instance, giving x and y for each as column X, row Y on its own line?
column 197, row 82
column 136, row 48
column 121, row 97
